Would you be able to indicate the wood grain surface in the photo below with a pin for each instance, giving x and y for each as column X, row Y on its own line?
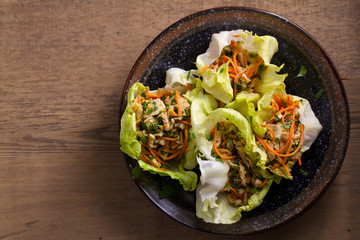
column 63, row 66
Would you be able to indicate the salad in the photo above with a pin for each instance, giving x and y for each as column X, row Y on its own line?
column 227, row 130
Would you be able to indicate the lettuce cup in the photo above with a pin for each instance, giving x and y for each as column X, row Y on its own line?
column 155, row 131
column 230, row 164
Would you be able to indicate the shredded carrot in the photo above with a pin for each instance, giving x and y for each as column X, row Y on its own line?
column 185, row 122
column 276, row 152
column 234, row 58
column 254, row 69
column 169, row 138
column 286, row 169
column 171, row 156
column 253, row 83
column 232, row 189
column 232, row 75
column 299, row 161
column 225, row 150
column 158, row 95
column 172, row 113
column 283, row 117
column 154, row 153
column 232, row 64
column 216, row 149
column 238, row 76
column 144, row 158
column 289, row 107
column 184, row 143
column 204, row 68
column 263, row 183
column 272, row 132
column 235, row 192
column 140, row 99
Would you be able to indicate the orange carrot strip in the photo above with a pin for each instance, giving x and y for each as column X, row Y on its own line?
column 289, row 107
column 232, row 64
column 154, row 153
column 234, row 58
column 286, row 169
column 299, row 161
column 169, row 138
column 224, row 150
column 216, row 150
column 172, row 113
column 263, row 183
column 140, row 99
column 232, row 75
column 204, row 68
column 272, row 132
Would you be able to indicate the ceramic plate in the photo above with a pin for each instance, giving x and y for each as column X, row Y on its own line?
column 178, row 46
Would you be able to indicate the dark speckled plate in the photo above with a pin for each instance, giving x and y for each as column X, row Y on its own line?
column 178, row 46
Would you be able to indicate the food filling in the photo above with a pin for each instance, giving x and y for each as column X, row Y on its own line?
column 285, row 134
column 228, row 147
column 162, row 124
column 244, row 68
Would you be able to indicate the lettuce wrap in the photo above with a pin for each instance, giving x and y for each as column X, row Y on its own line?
column 233, row 63
column 155, row 132
column 230, row 181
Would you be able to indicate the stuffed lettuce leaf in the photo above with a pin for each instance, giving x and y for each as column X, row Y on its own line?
column 234, row 62
column 155, row 132
column 229, row 157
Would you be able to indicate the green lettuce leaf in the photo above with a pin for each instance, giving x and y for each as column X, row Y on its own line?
column 265, row 46
column 218, row 83
column 128, row 142
column 188, row 179
column 131, row 147
column 202, row 104
column 218, row 210
column 256, row 106
column 211, row 205
column 312, row 125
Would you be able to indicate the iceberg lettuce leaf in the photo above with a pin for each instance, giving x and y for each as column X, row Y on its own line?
column 131, row 146
column 265, row 46
column 188, row 179
column 219, row 211
column 312, row 125
column 211, row 204
column 218, row 83
column 256, row 106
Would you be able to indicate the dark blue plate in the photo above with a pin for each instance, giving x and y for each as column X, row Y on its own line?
column 178, row 46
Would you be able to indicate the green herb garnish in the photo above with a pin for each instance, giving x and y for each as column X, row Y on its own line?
column 287, row 124
column 319, row 93
column 143, row 139
column 303, row 172
column 302, row 71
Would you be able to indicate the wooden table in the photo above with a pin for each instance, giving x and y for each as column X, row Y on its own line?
column 63, row 65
